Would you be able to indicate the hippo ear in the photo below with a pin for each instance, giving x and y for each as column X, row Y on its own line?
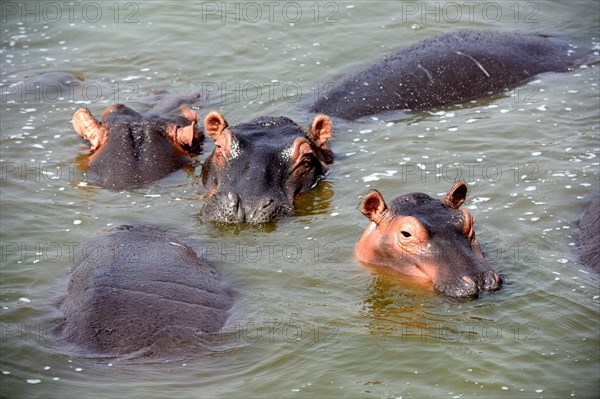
column 321, row 130
column 89, row 128
column 181, row 135
column 214, row 124
column 373, row 206
column 187, row 134
column 456, row 196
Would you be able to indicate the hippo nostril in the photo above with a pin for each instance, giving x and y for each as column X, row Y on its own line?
column 267, row 203
column 492, row 280
column 233, row 199
column 405, row 234
column 469, row 281
column 495, row 277
column 230, row 207
column 470, row 289
column 263, row 210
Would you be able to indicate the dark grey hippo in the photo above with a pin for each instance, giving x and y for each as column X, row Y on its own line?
column 258, row 168
column 142, row 292
column 589, row 235
column 129, row 149
column 445, row 69
column 50, row 87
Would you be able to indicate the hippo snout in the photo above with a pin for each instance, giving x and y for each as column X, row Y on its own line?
column 223, row 208
column 264, row 211
column 470, row 286
column 465, row 287
column 231, row 208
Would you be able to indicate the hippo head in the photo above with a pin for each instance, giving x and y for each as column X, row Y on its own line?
column 128, row 148
column 257, row 168
column 427, row 238
column 179, row 127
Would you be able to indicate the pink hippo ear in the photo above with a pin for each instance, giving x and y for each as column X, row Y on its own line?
column 184, row 135
column 192, row 134
column 321, row 131
column 456, row 196
column 373, row 206
column 181, row 135
column 89, row 128
column 216, row 127
column 214, row 124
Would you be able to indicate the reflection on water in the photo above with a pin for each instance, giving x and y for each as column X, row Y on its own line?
column 316, row 201
column 405, row 308
column 395, row 304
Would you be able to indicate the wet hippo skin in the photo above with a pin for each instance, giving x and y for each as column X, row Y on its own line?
column 258, row 167
column 142, row 292
column 129, row 149
column 589, row 235
column 445, row 69
column 430, row 239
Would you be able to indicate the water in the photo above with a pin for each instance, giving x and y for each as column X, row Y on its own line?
column 309, row 321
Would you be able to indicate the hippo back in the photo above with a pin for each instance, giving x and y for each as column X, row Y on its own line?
column 589, row 234
column 142, row 292
column 445, row 69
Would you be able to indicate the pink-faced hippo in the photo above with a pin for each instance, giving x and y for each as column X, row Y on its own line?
column 142, row 292
column 445, row 69
column 430, row 239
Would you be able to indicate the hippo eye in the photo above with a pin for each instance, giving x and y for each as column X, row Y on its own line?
column 306, row 159
column 303, row 163
column 406, row 234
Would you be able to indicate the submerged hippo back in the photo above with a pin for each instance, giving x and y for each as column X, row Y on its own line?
column 589, row 233
column 142, row 292
column 445, row 69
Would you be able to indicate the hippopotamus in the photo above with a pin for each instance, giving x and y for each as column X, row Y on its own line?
column 49, row 87
column 445, row 69
column 429, row 239
column 142, row 292
column 162, row 102
column 589, row 235
column 257, row 168
column 129, row 149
